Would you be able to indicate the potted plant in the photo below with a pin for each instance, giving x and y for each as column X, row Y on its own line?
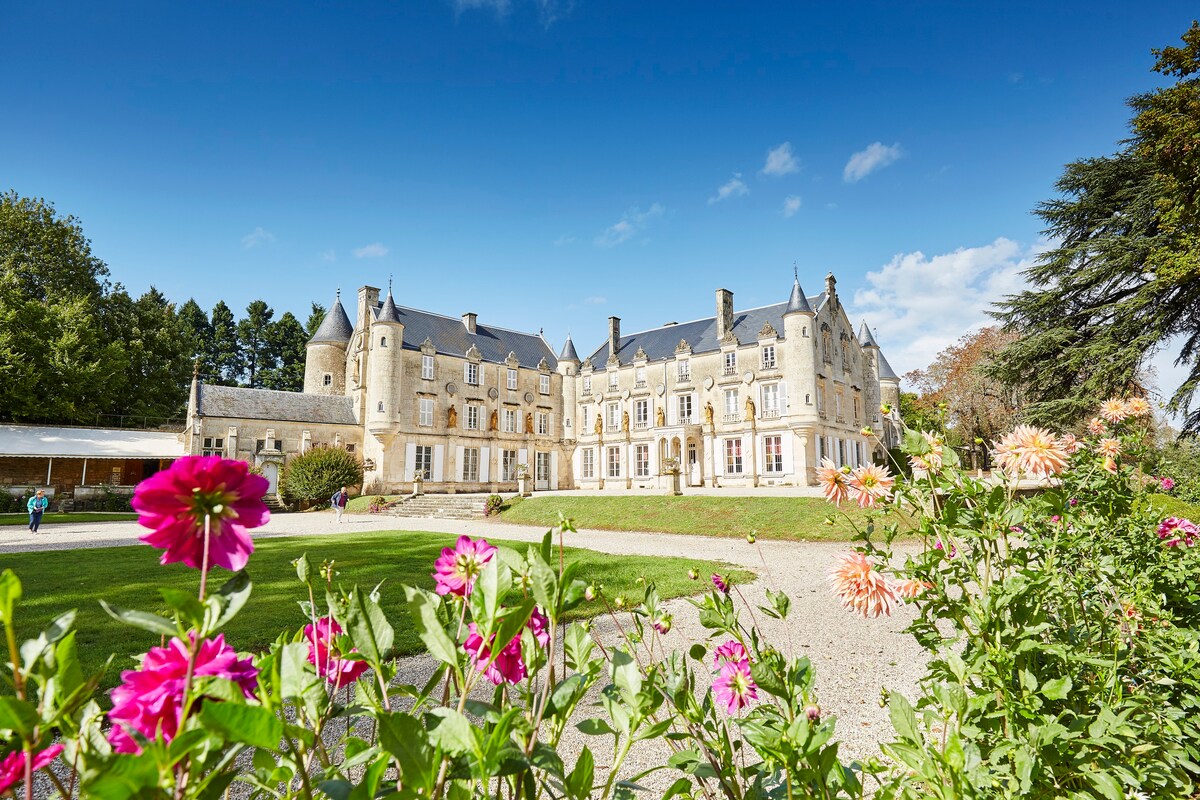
column 524, row 486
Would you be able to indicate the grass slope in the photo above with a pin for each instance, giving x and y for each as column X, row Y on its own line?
column 129, row 577
column 789, row 518
column 22, row 518
column 1174, row 507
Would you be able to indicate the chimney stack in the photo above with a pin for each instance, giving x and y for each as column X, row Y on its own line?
column 724, row 313
column 614, row 335
column 469, row 321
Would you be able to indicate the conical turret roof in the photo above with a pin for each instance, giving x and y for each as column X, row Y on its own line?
column 568, row 352
column 885, row 369
column 798, row 301
column 335, row 327
column 388, row 313
column 864, row 336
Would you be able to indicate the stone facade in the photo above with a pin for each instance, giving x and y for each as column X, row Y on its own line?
column 743, row 398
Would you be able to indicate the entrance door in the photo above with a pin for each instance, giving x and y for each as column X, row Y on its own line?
column 541, row 474
column 693, row 465
column 270, row 471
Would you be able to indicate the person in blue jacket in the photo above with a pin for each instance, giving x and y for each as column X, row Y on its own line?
column 37, row 506
column 339, row 500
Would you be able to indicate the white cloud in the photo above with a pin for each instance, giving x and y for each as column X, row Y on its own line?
column 1016, row 77
column 780, row 161
column 373, row 250
column 791, row 204
column 875, row 157
column 329, row 255
column 633, row 222
column 595, row 300
column 733, row 188
column 922, row 304
column 565, row 239
column 501, row 7
column 256, row 237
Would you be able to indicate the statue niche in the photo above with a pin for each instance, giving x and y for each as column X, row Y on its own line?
column 708, row 413
column 452, row 417
column 494, row 421
column 660, row 418
column 599, row 426
column 625, row 421
column 529, row 423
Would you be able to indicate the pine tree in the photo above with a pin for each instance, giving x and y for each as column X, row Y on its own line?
column 315, row 317
column 1124, row 278
column 226, row 355
column 254, row 339
column 197, row 333
column 287, row 340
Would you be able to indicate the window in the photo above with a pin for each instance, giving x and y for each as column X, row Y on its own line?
column 213, row 447
column 471, row 374
column 614, row 416
column 585, row 427
column 837, row 406
column 350, row 448
column 425, row 412
column 733, row 456
column 587, row 468
column 641, row 460
column 614, row 462
column 685, row 409
column 773, row 454
column 470, row 465
column 380, row 407
column 383, row 341
column 543, row 384
column 856, row 409
column 641, row 413
column 510, row 420
column 613, row 378
column 587, row 385
column 730, row 363
column 543, row 423
column 770, row 400
column 685, row 371
column 327, row 380
column 508, row 465
column 639, row 377
column 473, row 417
column 768, row 356
column 424, row 460
column 427, row 368
column 512, row 379
column 731, row 405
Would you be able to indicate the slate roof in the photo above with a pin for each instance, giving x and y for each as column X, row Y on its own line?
column 388, row 312
column 865, row 337
column 798, row 301
column 450, row 337
column 568, row 352
column 335, row 327
column 701, row 334
column 239, row 403
column 885, row 369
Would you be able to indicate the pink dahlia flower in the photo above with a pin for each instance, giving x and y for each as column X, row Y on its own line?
column 1032, row 451
column 1069, row 444
column 870, row 484
column 540, row 625
column 12, row 768
column 338, row 671
column 735, row 687
column 508, row 666
column 456, row 569
column 1109, row 447
column 150, row 700
column 175, row 502
column 1114, row 409
column 832, row 481
column 1177, row 531
column 721, row 584
column 1166, row 484
column 939, row 546
column 1096, row 426
column 730, row 652
column 861, row 588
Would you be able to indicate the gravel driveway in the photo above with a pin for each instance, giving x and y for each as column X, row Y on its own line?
column 854, row 658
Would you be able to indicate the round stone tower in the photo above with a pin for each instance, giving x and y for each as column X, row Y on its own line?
column 325, row 354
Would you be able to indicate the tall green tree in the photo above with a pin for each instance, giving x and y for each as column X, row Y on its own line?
column 226, row 355
column 1124, row 278
column 197, row 334
column 315, row 317
column 287, row 338
column 155, row 358
column 254, row 339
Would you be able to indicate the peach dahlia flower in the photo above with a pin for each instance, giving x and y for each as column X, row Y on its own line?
column 861, row 588
column 1033, row 451
column 870, row 484
column 1114, row 409
column 832, row 481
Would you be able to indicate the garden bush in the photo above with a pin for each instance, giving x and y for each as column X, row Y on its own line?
column 1061, row 629
column 494, row 502
column 314, row 476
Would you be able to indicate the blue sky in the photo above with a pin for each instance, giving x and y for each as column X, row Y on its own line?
column 551, row 163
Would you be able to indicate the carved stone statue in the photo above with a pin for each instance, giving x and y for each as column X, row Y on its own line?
column 494, row 421
column 660, row 417
column 529, row 423
column 708, row 413
column 749, row 408
column 452, row 417
column 599, row 426
column 625, row 421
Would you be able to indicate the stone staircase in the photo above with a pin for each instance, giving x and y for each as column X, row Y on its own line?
column 441, row 506
column 273, row 503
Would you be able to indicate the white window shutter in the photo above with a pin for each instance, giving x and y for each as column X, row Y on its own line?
column 410, row 459
column 786, row 450
column 484, row 458
column 523, row 458
column 439, row 462
column 673, row 410
column 553, row 469
column 458, row 463
column 782, row 398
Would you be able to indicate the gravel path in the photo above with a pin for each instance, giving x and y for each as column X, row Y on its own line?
column 854, row 658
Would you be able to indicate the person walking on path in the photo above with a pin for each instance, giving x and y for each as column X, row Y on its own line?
column 37, row 506
column 339, row 500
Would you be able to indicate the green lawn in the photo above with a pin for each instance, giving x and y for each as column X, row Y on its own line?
column 22, row 518
column 55, row 581
column 792, row 518
column 1174, row 507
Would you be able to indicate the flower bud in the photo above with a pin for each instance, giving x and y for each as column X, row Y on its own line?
column 943, row 405
column 829, row 520
column 886, row 408
column 663, row 624
column 978, row 440
column 693, row 574
column 589, row 593
column 751, row 538
column 867, row 431
column 813, row 712
column 619, row 603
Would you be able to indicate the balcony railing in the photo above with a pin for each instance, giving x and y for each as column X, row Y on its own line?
column 613, row 428
column 684, row 377
column 639, row 385
column 729, row 370
column 685, row 420
column 770, row 413
column 641, row 425
column 732, row 418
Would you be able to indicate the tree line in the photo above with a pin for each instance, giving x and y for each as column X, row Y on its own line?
column 76, row 348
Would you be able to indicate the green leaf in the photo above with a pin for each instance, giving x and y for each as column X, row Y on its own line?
column 451, row 731
column 697, row 652
column 160, row 626
column 545, row 583
column 595, row 727
column 1057, row 688
column 404, row 738
column 18, row 715
column 183, row 603
column 123, row 777
column 1107, row 785
column 626, row 674
column 228, row 601
column 304, row 569
column 368, row 627
column 10, row 593
column 295, row 673
column 252, row 725
column 422, row 607
column 578, row 646
column 904, row 719
column 580, row 780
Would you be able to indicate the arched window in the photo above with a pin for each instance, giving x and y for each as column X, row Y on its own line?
column 383, row 341
column 381, row 407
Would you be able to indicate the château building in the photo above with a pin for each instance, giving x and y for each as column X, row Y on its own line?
column 741, row 398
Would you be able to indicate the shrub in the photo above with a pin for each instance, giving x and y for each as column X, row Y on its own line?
column 314, row 476
column 378, row 504
column 494, row 502
column 10, row 503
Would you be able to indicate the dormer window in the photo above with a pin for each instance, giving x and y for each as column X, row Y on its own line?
column 471, row 374
column 613, row 378
column 544, row 384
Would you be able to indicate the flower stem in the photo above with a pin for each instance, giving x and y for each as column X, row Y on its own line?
column 204, row 561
